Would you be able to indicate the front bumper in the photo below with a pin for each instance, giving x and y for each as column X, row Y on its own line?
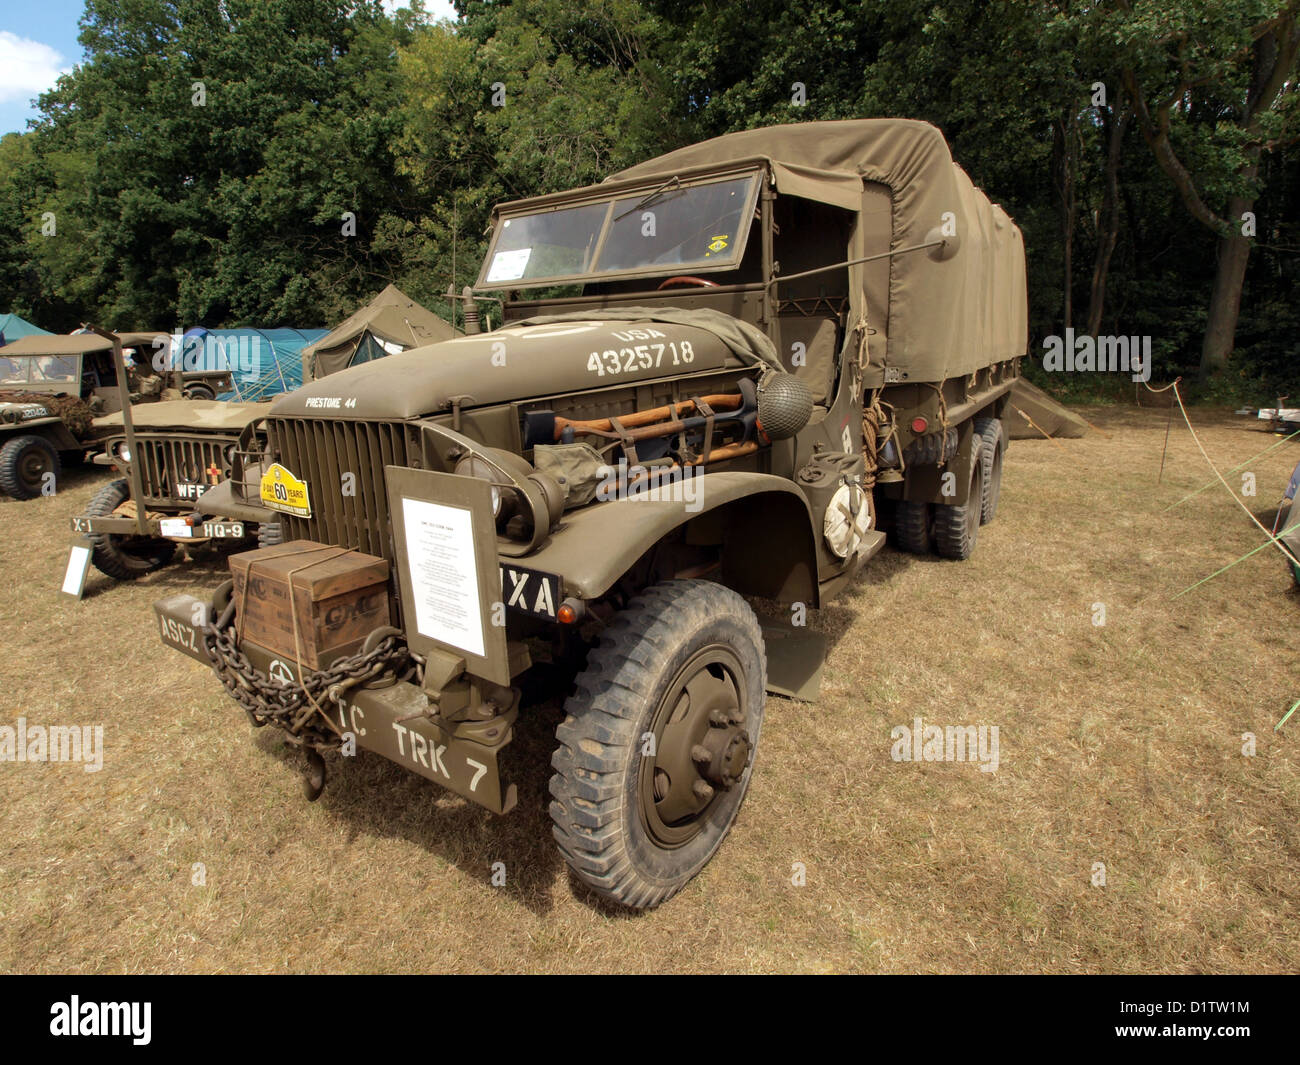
column 169, row 528
column 399, row 722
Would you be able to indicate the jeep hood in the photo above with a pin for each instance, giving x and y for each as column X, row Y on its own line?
column 513, row 363
column 203, row 414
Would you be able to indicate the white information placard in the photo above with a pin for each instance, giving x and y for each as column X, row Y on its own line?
column 74, row 578
column 509, row 265
column 444, row 573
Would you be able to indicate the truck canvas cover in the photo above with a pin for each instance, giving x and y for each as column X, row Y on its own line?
column 943, row 319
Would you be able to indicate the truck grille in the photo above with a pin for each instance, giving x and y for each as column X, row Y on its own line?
column 169, row 461
column 320, row 452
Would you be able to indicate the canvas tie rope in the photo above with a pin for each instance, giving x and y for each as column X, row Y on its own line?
column 1240, row 465
column 1210, row 462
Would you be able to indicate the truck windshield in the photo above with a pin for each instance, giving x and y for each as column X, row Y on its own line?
column 702, row 225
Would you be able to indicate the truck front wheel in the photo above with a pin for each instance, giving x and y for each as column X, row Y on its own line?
column 658, row 742
column 124, row 558
column 25, row 463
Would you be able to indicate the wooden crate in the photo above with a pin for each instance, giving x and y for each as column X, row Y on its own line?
column 340, row 597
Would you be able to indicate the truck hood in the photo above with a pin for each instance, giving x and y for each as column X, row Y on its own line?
column 512, row 363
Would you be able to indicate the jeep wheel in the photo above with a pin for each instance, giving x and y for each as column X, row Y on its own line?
column 912, row 527
column 24, row 463
column 657, row 746
column 994, row 447
column 199, row 391
column 124, row 558
column 956, row 528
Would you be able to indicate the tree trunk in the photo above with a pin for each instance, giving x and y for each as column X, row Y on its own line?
column 1225, row 298
column 1108, row 223
column 1067, row 170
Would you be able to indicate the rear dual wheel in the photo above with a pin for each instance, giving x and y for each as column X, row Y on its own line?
column 956, row 528
column 952, row 530
column 657, row 746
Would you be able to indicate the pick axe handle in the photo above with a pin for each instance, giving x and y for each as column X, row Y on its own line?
column 645, row 417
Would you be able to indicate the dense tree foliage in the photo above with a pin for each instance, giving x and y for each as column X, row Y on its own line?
column 278, row 161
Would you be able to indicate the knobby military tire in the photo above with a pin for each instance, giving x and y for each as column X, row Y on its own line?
column 911, row 527
column 24, row 462
column 634, row 683
column 994, row 448
column 124, row 558
column 956, row 528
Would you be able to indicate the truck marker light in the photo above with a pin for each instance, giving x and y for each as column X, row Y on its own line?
column 919, row 426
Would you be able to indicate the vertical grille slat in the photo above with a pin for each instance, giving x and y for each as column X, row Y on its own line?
column 374, row 490
column 167, row 461
column 320, row 451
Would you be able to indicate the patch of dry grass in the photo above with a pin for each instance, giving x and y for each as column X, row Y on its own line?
column 1119, row 744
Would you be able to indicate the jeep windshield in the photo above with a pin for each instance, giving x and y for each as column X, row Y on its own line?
column 40, row 370
column 653, row 230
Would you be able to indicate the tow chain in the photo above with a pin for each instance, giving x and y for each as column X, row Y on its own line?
column 290, row 705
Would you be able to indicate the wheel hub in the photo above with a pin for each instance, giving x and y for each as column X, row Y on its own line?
column 701, row 746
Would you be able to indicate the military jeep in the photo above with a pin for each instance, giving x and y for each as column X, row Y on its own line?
column 183, row 450
column 733, row 353
column 53, row 387
column 196, row 485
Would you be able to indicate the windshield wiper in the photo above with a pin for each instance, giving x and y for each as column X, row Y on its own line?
column 650, row 197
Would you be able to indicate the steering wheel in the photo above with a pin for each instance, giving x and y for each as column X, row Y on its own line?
column 685, row 279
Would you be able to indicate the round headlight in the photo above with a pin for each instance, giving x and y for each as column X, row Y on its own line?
column 474, row 466
column 123, row 452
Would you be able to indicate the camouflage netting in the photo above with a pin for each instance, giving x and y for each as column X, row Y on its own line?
column 74, row 411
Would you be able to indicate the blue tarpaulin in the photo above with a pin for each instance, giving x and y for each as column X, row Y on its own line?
column 12, row 327
column 265, row 362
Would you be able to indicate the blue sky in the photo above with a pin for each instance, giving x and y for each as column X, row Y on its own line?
column 38, row 41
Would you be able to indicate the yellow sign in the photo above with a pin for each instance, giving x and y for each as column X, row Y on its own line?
column 717, row 244
column 282, row 491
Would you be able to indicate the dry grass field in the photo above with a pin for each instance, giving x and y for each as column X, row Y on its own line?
column 1120, row 744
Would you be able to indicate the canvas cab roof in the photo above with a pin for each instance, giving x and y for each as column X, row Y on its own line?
column 929, row 317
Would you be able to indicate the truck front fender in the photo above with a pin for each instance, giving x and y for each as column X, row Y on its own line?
column 762, row 521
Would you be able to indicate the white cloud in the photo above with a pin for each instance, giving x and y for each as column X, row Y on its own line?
column 27, row 68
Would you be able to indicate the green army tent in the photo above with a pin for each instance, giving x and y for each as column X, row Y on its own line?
column 1030, row 402
column 389, row 323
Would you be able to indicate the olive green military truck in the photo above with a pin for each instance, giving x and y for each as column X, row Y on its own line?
column 728, row 355
column 53, row 387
